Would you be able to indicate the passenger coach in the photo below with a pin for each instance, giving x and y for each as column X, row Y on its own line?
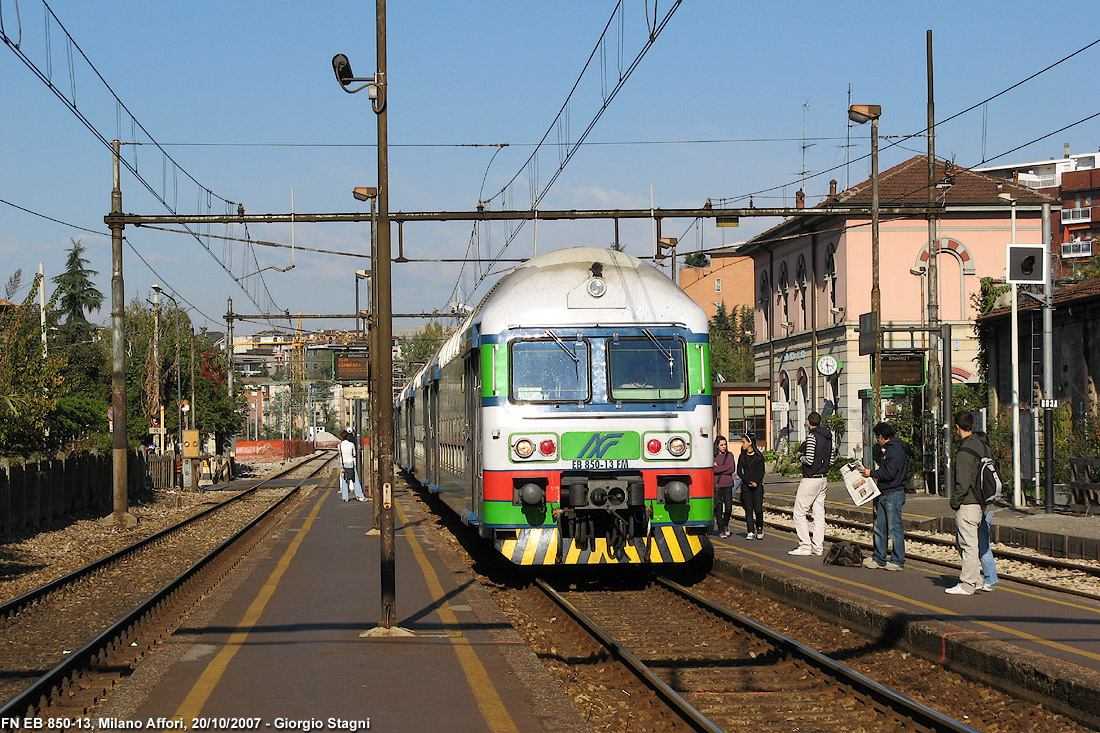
column 569, row 418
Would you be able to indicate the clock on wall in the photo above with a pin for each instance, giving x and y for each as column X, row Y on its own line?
column 827, row 365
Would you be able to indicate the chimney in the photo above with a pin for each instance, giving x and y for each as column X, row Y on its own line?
column 800, row 199
column 1065, row 150
column 832, row 189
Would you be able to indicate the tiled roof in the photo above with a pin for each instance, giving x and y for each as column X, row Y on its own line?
column 4, row 303
column 906, row 184
column 1063, row 296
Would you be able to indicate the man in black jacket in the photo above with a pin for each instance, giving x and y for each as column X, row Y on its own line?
column 816, row 458
column 892, row 471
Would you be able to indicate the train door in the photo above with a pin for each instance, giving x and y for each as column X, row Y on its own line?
column 472, row 391
column 432, row 436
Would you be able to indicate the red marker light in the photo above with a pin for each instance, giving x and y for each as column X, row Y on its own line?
column 653, row 446
column 547, row 447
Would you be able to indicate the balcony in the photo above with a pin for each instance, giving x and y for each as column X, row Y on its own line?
column 1072, row 250
column 1076, row 216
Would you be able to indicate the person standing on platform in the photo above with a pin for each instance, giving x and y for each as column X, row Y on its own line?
column 966, row 503
column 348, row 475
column 892, row 471
column 816, row 457
column 725, row 466
column 985, row 552
column 750, row 469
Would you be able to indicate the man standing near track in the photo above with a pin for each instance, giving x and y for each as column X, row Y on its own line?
column 816, row 458
column 893, row 469
column 966, row 503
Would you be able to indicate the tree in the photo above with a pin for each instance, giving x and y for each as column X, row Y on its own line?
column 30, row 384
column 731, row 345
column 76, row 290
column 14, row 283
column 696, row 259
column 418, row 348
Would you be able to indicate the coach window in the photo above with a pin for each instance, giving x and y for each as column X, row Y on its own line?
column 550, row 370
column 646, row 369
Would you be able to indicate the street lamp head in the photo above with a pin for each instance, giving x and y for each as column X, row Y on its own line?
column 158, row 289
column 364, row 193
column 362, row 274
column 860, row 113
column 342, row 68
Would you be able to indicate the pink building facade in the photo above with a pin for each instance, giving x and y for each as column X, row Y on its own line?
column 813, row 279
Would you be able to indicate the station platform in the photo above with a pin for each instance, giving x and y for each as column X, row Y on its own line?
column 1061, row 534
column 281, row 645
column 1026, row 638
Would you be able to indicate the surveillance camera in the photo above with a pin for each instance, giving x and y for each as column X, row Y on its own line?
column 342, row 68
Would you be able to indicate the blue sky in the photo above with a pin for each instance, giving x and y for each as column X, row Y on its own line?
column 241, row 95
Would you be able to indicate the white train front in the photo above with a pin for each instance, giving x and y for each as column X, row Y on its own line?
column 569, row 418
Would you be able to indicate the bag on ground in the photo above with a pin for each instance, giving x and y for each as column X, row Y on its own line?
column 843, row 553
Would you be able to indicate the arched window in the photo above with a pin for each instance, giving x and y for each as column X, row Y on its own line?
column 830, row 276
column 800, row 283
column 782, row 295
column 765, row 302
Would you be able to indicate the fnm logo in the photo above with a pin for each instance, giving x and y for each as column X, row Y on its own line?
column 598, row 445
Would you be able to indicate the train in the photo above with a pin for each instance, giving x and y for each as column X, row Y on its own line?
column 570, row 418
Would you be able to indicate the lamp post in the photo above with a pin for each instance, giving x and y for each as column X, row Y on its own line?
column 159, row 439
column 1017, row 489
column 369, row 193
column 157, row 289
column 861, row 113
column 383, row 316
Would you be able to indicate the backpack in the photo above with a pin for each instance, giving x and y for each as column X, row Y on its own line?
column 843, row 553
column 987, row 484
column 823, row 453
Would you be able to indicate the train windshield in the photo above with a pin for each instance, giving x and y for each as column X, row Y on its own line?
column 647, row 368
column 550, row 370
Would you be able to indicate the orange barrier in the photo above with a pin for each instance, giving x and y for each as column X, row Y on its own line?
column 272, row 450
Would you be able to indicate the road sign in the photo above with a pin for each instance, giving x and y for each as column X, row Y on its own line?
column 868, row 333
column 903, row 369
column 1026, row 264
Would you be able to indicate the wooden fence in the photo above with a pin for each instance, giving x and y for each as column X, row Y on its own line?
column 36, row 495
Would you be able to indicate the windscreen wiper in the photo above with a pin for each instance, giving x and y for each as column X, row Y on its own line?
column 667, row 353
column 569, row 352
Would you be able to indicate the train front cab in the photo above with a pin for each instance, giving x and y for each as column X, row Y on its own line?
column 612, row 473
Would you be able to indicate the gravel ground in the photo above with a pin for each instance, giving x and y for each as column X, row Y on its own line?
column 29, row 561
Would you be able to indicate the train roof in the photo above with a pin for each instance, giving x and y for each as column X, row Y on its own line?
column 553, row 290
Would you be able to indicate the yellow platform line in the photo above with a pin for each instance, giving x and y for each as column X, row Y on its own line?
column 938, row 609
column 208, row 680
column 488, row 701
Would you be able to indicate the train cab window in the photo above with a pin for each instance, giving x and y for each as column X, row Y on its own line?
column 648, row 369
column 550, row 370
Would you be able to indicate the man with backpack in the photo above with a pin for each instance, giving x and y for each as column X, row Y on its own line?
column 816, row 457
column 967, row 501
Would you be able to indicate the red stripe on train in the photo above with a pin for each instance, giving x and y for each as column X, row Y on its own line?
column 498, row 484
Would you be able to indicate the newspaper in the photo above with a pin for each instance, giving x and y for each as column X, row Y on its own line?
column 862, row 490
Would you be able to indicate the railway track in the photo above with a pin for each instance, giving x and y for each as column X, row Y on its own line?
column 71, row 640
column 1063, row 576
column 720, row 670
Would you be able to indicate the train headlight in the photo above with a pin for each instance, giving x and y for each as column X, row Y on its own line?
column 547, row 447
column 653, row 446
column 677, row 447
column 596, row 287
column 524, row 448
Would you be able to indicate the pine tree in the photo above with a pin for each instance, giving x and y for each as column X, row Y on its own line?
column 75, row 291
